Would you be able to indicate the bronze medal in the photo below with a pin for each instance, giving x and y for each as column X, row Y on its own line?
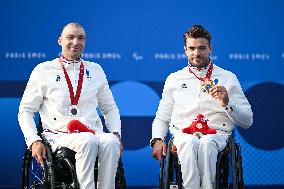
column 74, row 110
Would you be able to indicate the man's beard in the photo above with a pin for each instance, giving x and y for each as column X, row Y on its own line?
column 75, row 56
column 204, row 63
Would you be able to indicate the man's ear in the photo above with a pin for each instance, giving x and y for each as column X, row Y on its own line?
column 59, row 40
column 211, row 48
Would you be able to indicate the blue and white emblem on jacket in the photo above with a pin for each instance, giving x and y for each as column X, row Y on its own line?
column 88, row 74
column 58, row 78
column 184, row 86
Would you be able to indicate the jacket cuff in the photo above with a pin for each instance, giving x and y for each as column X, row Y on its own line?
column 30, row 141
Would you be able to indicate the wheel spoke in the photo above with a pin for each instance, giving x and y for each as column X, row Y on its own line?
column 36, row 171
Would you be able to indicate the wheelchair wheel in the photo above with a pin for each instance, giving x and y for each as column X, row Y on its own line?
column 64, row 168
column 65, row 174
column 229, row 171
column 237, row 170
column 222, row 167
column 240, row 168
column 170, row 170
column 34, row 176
column 120, row 182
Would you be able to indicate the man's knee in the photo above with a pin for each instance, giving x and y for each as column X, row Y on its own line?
column 186, row 142
column 186, row 139
column 206, row 141
column 88, row 140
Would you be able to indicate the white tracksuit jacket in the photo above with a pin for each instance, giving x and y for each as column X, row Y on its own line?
column 182, row 100
column 47, row 92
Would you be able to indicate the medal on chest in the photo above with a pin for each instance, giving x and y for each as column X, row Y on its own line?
column 207, row 85
column 74, row 110
column 74, row 98
column 206, row 82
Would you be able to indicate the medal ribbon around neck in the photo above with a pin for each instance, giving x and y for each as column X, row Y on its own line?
column 74, row 99
column 208, row 74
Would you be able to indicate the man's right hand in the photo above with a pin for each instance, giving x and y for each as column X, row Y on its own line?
column 159, row 149
column 39, row 152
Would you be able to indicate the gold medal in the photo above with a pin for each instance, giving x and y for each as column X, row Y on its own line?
column 207, row 85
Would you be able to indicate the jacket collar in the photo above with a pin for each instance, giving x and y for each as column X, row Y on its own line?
column 70, row 63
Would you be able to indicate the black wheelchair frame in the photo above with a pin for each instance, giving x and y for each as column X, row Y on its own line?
column 59, row 170
column 228, row 159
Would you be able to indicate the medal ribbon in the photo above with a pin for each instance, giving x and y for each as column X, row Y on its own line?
column 208, row 74
column 74, row 99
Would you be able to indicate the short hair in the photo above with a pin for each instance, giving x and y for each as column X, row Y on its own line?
column 75, row 24
column 197, row 31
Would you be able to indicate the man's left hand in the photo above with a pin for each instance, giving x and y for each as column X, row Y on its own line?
column 220, row 92
column 121, row 146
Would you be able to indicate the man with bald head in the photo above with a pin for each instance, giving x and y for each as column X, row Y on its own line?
column 66, row 92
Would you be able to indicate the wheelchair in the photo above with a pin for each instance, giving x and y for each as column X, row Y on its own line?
column 229, row 172
column 58, row 170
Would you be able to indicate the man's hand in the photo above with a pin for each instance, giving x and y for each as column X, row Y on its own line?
column 39, row 152
column 220, row 92
column 159, row 149
column 121, row 146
